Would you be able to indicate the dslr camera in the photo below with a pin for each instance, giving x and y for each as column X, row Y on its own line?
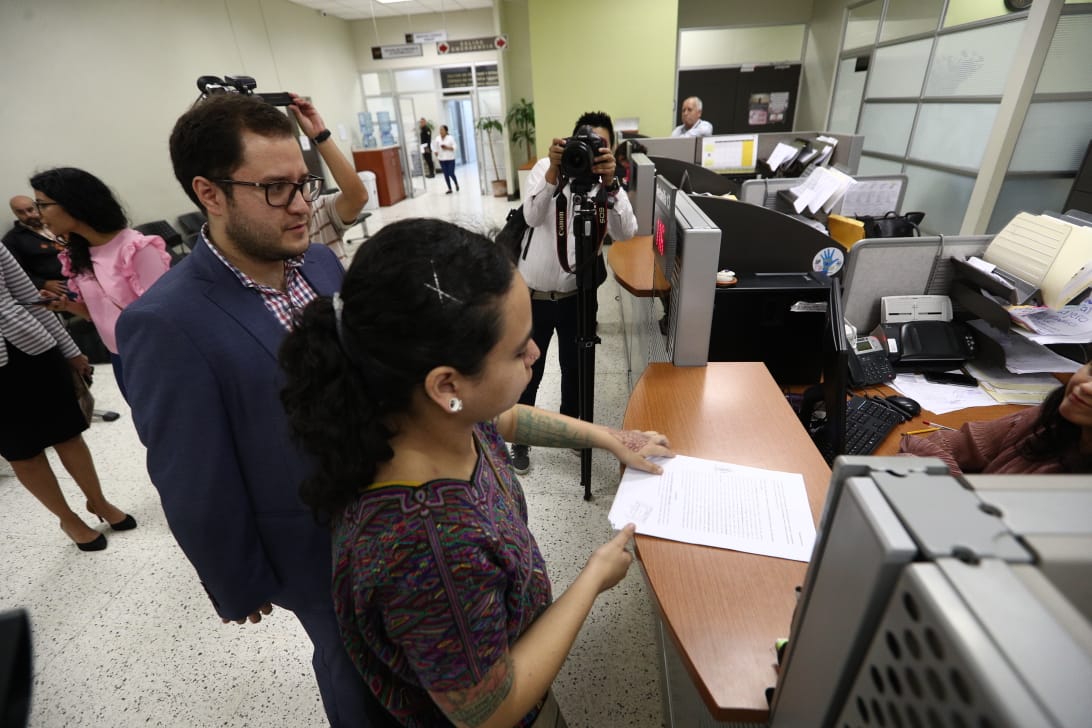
column 578, row 156
column 244, row 85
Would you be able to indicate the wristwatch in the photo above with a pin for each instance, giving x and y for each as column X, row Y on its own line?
column 321, row 136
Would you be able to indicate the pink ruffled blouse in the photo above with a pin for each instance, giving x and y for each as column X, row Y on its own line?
column 123, row 269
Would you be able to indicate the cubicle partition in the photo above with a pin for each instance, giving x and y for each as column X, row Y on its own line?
column 846, row 156
column 642, row 190
column 900, row 267
column 872, row 195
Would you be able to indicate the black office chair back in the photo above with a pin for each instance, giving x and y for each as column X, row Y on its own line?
column 15, row 668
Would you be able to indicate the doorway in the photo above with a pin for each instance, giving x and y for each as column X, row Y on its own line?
column 459, row 113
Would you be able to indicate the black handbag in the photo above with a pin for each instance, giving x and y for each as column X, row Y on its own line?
column 892, row 225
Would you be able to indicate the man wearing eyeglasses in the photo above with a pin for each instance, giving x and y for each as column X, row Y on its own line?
column 34, row 246
column 204, row 383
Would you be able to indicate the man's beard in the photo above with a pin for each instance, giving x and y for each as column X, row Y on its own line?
column 35, row 223
column 256, row 243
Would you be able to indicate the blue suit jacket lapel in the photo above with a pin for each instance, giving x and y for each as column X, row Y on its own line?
column 244, row 304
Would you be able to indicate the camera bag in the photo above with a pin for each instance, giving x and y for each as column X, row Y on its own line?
column 515, row 235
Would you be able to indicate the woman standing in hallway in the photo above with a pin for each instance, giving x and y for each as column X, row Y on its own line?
column 108, row 264
column 446, row 155
column 41, row 409
column 403, row 387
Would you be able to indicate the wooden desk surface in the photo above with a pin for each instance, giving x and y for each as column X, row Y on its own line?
column 635, row 269
column 725, row 609
column 890, row 444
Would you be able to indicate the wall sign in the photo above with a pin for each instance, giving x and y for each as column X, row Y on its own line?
column 432, row 36
column 459, row 77
column 407, row 50
column 470, row 45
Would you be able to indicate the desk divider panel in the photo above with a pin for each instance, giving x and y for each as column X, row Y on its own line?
column 900, row 267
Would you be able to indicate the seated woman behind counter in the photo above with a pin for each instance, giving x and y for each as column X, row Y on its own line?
column 1053, row 437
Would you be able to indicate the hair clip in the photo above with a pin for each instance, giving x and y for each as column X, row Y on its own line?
column 440, row 293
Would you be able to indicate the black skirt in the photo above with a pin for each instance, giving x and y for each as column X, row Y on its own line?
column 40, row 406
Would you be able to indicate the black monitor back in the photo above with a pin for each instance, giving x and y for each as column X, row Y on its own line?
column 755, row 320
column 756, row 240
column 701, row 180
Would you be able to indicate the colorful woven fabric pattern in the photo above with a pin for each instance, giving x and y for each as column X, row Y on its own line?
column 434, row 581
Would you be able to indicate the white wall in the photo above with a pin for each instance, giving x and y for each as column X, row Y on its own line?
column 98, row 84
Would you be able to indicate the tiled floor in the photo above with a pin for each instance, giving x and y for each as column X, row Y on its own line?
column 126, row 637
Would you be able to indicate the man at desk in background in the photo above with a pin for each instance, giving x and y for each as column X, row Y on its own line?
column 692, row 124
column 334, row 213
column 1053, row 437
column 35, row 247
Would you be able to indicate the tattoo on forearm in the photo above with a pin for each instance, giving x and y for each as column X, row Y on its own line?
column 536, row 428
column 631, row 439
column 475, row 705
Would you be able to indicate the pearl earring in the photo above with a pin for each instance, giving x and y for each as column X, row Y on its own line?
column 455, row 404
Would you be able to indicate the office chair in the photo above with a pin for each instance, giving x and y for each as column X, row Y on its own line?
column 176, row 247
column 362, row 221
column 191, row 223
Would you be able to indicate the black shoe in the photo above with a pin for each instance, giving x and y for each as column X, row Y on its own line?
column 448, row 192
column 97, row 545
column 521, row 459
column 125, row 524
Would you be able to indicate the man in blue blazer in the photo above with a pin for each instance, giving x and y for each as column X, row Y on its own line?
column 200, row 352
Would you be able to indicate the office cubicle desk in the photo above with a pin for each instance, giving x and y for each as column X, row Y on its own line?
column 635, row 269
column 721, row 609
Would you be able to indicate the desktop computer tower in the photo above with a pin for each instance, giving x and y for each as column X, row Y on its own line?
column 776, row 319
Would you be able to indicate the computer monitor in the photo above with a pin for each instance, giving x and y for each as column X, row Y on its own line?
column 835, row 385
column 642, row 191
column 664, row 232
column 729, row 153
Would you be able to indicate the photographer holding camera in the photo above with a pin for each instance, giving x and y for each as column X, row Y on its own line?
column 584, row 163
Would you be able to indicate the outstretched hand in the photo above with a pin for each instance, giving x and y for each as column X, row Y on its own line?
column 638, row 446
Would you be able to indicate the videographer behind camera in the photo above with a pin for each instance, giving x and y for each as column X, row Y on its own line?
column 583, row 163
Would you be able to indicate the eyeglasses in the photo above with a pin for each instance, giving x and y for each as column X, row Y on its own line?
column 39, row 204
column 281, row 194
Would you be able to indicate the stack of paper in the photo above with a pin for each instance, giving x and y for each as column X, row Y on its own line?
column 1067, row 325
column 719, row 504
column 822, row 189
column 1023, row 356
column 1009, row 388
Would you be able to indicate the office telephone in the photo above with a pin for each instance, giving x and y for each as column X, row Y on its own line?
column 926, row 345
column 868, row 363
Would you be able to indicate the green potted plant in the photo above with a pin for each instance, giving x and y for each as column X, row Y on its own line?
column 489, row 125
column 521, row 120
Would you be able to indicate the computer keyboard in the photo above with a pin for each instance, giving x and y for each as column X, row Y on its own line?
column 868, row 421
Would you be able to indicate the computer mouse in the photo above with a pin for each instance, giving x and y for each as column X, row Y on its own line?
column 905, row 404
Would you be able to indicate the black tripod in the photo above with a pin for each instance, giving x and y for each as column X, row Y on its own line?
column 586, row 227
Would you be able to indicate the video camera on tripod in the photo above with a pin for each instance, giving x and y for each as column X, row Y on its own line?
column 243, row 85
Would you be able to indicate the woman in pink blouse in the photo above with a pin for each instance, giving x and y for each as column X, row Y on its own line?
column 108, row 264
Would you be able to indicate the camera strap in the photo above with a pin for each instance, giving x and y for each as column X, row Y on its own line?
column 600, row 204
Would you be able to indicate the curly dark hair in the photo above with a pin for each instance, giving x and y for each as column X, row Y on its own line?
column 207, row 141
column 1056, row 438
column 395, row 329
column 86, row 198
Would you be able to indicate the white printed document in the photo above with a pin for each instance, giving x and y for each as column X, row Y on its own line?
column 719, row 504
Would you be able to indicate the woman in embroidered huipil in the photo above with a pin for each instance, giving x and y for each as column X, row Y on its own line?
column 404, row 388
column 108, row 265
